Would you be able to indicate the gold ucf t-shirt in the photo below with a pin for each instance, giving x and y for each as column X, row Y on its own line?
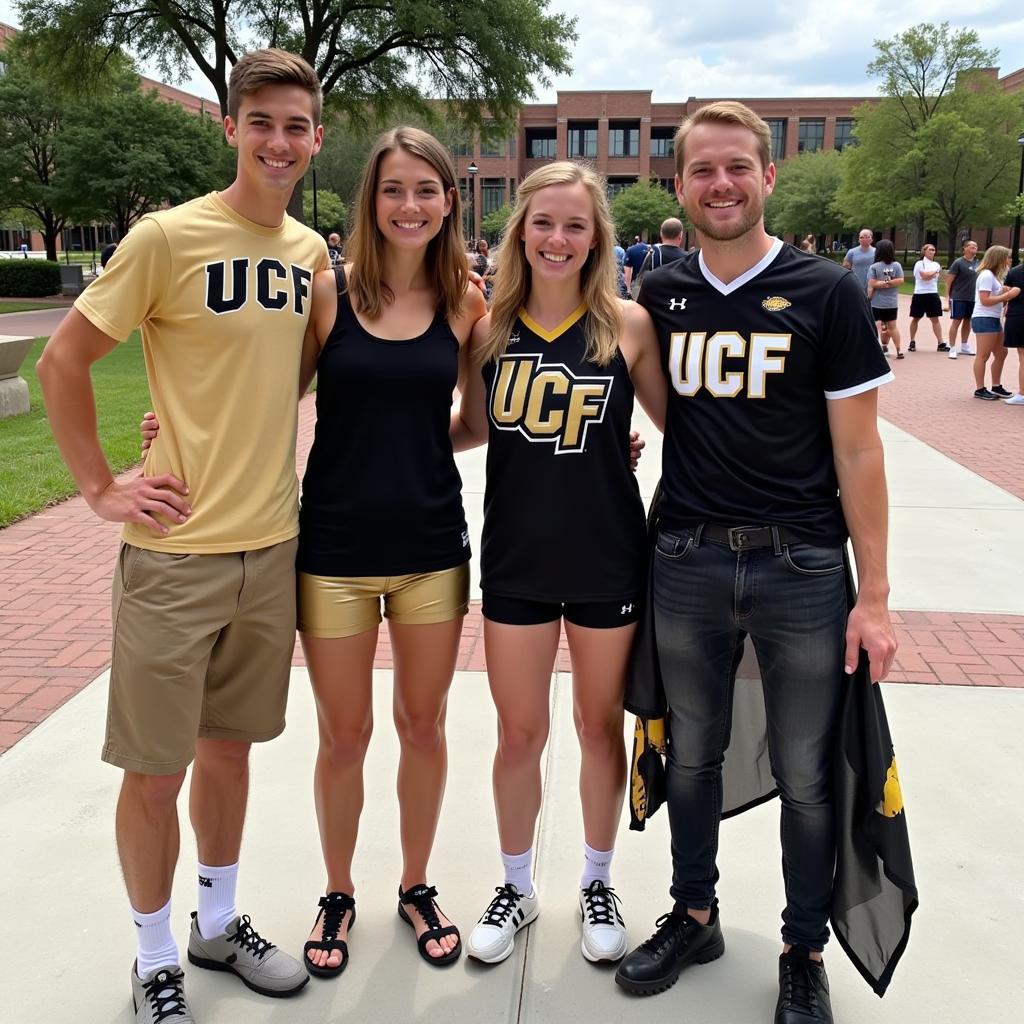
column 223, row 304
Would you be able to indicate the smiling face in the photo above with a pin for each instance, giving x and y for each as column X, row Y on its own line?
column 275, row 136
column 410, row 200
column 559, row 231
column 723, row 185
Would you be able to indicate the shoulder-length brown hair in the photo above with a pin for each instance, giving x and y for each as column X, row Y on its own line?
column 445, row 259
column 605, row 321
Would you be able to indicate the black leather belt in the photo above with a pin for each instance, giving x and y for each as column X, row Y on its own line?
column 747, row 538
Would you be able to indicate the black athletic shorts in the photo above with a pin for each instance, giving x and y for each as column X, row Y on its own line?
column 925, row 304
column 518, row 611
column 885, row 315
column 1013, row 332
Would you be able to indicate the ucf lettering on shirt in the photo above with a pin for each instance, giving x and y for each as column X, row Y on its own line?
column 223, row 305
column 563, row 519
column 751, row 365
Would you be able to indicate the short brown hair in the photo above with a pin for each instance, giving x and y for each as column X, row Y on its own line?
column 726, row 112
column 272, row 67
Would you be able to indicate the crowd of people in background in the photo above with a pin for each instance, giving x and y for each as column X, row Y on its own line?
column 983, row 295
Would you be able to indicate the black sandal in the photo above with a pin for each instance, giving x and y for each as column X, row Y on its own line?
column 421, row 898
column 333, row 908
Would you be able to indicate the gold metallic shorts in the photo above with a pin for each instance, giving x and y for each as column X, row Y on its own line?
column 338, row 606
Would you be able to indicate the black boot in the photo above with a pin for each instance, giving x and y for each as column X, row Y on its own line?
column 680, row 940
column 803, row 990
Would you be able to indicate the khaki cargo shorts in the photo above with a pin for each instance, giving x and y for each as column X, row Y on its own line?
column 202, row 647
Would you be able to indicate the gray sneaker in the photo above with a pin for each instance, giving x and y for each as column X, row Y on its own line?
column 159, row 998
column 241, row 950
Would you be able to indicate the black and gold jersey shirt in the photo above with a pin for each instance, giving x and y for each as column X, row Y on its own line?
column 751, row 366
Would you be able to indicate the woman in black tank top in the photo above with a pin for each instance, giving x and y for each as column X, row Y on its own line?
column 381, row 498
column 556, row 364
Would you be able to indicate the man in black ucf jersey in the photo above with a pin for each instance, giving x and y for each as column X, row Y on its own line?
column 771, row 460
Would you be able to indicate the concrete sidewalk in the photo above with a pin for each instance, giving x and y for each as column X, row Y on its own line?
column 67, row 948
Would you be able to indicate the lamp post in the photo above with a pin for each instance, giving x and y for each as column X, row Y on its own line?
column 471, row 171
column 1015, row 244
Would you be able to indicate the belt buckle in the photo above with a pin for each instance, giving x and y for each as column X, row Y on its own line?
column 743, row 537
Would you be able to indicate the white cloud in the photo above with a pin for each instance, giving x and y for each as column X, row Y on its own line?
column 743, row 48
column 758, row 47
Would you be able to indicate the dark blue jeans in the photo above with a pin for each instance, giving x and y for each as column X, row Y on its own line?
column 790, row 599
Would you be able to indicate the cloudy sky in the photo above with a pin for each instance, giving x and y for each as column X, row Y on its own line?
column 747, row 47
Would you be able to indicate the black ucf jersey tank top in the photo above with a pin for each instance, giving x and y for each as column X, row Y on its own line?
column 563, row 518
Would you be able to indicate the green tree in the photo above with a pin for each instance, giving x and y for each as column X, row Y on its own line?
column 493, row 224
column 131, row 152
column 369, row 56
column 890, row 177
column 641, row 208
column 30, row 123
column 804, row 197
column 954, row 170
column 331, row 212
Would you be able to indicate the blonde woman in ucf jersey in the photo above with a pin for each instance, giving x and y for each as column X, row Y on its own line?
column 557, row 362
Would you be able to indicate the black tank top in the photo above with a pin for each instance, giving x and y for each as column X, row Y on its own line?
column 563, row 517
column 381, row 495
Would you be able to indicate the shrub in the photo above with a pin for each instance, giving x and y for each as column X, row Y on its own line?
column 27, row 278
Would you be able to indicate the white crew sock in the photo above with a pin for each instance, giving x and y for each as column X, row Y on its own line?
column 216, row 909
column 157, row 947
column 597, row 866
column 519, row 870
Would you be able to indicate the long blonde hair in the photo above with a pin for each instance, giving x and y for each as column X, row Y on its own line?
column 445, row 260
column 996, row 259
column 604, row 323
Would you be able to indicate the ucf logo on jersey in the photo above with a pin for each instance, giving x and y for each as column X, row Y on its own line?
column 276, row 286
column 695, row 361
column 546, row 402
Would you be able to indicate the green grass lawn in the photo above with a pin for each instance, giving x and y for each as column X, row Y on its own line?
column 22, row 307
column 32, row 473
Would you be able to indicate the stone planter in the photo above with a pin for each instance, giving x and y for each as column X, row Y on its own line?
column 13, row 390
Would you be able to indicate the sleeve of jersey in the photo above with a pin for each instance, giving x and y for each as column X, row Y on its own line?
column 132, row 287
column 853, row 360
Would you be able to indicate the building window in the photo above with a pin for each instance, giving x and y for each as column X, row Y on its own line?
column 492, row 195
column 844, row 133
column 661, row 141
column 462, row 147
column 624, row 139
column 616, row 185
column 582, row 140
column 512, row 146
column 778, row 130
column 492, row 147
column 812, row 135
column 541, row 143
column 669, row 185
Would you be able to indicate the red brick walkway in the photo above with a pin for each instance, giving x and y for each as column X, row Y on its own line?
column 55, row 567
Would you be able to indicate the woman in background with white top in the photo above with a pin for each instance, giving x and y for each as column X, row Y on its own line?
column 926, row 301
column 987, row 322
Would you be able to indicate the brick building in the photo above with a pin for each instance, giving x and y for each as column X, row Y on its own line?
column 628, row 137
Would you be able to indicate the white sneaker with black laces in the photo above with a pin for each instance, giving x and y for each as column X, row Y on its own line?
column 604, row 931
column 494, row 936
